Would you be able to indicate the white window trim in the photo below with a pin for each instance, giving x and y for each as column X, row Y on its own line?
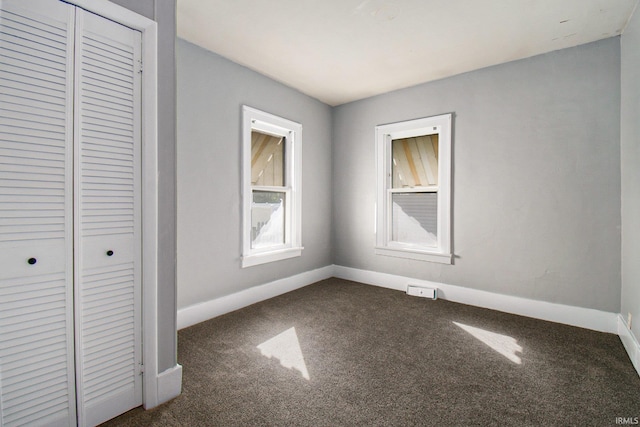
column 253, row 119
column 407, row 129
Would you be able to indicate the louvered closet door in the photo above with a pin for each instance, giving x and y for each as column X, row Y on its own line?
column 108, row 245
column 36, row 313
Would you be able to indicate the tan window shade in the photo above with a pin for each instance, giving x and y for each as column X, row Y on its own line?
column 267, row 160
column 415, row 161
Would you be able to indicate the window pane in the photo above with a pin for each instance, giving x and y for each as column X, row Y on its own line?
column 267, row 219
column 415, row 218
column 415, row 161
column 267, row 159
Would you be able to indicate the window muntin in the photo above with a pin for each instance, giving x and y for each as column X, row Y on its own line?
column 272, row 162
column 413, row 203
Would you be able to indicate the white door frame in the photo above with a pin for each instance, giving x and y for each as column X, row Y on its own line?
column 149, row 30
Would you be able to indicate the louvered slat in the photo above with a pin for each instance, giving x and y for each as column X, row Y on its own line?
column 36, row 335
column 108, row 128
column 107, row 299
column 35, row 379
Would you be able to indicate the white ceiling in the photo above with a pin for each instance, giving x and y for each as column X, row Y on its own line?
column 342, row 50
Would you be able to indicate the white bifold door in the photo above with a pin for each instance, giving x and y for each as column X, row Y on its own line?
column 70, row 241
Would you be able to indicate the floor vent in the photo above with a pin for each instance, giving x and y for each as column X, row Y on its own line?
column 421, row 291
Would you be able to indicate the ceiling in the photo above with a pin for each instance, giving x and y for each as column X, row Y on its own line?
column 343, row 50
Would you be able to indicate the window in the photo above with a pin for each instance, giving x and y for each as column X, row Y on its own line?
column 272, row 175
column 414, row 189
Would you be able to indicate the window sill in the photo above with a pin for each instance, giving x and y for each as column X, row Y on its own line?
column 271, row 256
column 414, row 254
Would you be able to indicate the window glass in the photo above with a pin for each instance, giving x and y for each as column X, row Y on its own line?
column 415, row 218
column 267, row 160
column 415, row 161
column 267, row 219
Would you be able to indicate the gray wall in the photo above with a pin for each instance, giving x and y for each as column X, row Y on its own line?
column 164, row 13
column 630, row 156
column 536, row 181
column 211, row 92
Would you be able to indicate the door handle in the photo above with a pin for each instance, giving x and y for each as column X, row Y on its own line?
column 109, row 252
column 32, row 261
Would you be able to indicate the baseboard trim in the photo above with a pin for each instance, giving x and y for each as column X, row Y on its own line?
column 570, row 315
column 576, row 316
column 169, row 382
column 630, row 343
column 197, row 313
column 169, row 385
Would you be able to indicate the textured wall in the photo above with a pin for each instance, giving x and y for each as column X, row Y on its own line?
column 211, row 92
column 164, row 13
column 630, row 156
column 536, row 177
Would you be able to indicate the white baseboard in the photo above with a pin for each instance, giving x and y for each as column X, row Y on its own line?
column 630, row 342
column 570, row 315
column 169, row 384
column 208, row 310
column 576, row 316
column 170, row 380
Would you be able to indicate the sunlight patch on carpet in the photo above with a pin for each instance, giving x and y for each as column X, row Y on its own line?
column 503, row 344
column 286, row 348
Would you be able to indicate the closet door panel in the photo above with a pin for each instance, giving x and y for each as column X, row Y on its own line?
column 108, row 249
column 36, row 299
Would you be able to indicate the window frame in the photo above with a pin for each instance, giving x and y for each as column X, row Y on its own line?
column 256, row 120
column 385, row 134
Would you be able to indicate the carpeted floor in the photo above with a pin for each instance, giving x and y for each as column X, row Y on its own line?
column 339, row 353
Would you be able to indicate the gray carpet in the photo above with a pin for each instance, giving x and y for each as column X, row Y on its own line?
column 375, row 356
